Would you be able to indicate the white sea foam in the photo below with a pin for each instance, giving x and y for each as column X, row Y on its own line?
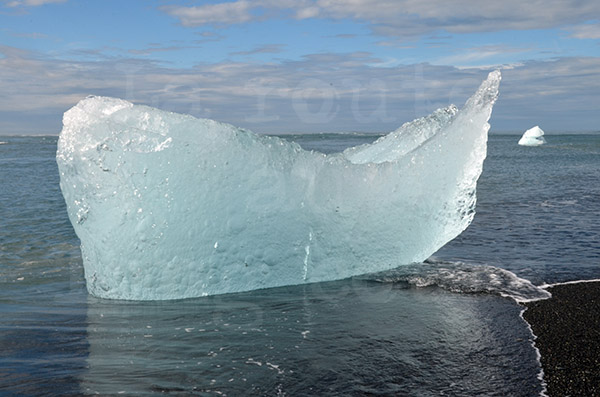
column 538, row 356
column 545, row 286
column 463, row 277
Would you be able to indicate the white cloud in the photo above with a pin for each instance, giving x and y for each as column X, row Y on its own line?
column 31, row 3
column 586, row 31
column 308, row 12
column 155, row 49
column 480, row 56
column 266, row 49
column 28, row 35
column 402, row 18
column 220, row 13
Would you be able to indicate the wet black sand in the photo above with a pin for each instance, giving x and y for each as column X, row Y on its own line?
column 567, row 327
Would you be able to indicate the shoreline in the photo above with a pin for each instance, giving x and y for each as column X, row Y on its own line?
column 566, row 329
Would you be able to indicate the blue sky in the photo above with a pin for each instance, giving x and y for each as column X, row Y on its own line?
column 304, row 65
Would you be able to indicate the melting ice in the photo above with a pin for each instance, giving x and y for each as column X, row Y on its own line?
column 170, row 206
column 533, row 137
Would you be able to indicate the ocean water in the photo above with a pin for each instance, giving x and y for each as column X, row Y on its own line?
column 450, row 326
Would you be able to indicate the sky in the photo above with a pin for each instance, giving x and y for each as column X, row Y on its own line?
column 304, row 66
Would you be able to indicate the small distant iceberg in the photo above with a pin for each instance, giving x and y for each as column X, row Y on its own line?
column 533, row 137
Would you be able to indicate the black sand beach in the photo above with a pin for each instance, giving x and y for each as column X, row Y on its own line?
column 567, row 328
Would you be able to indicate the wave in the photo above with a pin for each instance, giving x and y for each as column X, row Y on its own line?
column 595, row 280
column 463, row 277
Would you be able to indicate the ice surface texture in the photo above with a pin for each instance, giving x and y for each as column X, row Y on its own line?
column 169, row 206
column 533, row 137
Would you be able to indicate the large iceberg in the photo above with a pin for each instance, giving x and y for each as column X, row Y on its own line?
column 170, row 206
column 533, row 137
